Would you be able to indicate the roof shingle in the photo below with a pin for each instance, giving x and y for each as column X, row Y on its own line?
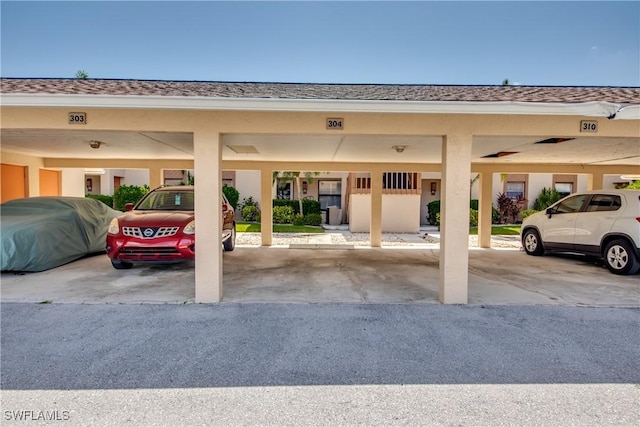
column 315, row 91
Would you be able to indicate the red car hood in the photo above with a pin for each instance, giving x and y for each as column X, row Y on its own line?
column 155, row 218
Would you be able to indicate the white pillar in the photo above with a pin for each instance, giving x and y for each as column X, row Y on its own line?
column 375, row 228
column 208, row 202
column 454, row 219
column 266, row 208
column 484, row 209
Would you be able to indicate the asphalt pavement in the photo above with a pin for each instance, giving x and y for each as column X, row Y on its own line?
column 319, row 364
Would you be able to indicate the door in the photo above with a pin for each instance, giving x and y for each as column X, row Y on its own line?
column 49, row 182
column 559, row 228
column 14, row 182
column 597, row 219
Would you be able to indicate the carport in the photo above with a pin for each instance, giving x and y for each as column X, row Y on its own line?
column 210, row 126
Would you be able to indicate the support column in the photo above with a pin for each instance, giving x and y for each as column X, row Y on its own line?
column 454, row 219
column 594, row 181
column 266, row 210
column 208, row 212
column 484, row 209
column 155, row 178
column 375, row 228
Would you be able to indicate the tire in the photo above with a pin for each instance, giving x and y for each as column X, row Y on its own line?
column 531, row 243
column 620, row 257
column 121, row 265
column 230, row 243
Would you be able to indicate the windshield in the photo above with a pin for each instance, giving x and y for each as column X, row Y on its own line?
column 167, row 201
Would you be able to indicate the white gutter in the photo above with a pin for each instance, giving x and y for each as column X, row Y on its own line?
column 590, row 109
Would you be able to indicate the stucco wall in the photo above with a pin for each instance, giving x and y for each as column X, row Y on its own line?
column 73, row 182
column 400, row 213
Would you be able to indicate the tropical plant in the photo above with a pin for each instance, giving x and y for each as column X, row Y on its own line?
column 232, row 195
column 249, row 209
column 128, row 194
column 546, row 198
column 250, row 213
column 509, row 208
column 283, row 215
column 82, row 75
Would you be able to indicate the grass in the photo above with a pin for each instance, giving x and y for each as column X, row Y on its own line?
column 251, row 227
column 499, row 230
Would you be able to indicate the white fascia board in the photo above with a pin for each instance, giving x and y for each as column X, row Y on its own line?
column 593, row 109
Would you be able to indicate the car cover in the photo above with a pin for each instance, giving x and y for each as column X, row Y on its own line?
column 39, row 233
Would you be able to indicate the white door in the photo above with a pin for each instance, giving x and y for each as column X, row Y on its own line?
column 560, row 226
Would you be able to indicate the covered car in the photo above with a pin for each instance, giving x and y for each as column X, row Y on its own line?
column 40, row 233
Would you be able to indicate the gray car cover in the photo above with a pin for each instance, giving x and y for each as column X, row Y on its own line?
column 40, row 233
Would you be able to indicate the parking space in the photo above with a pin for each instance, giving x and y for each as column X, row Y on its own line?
column 400, row 274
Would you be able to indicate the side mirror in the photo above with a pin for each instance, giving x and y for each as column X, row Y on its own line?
column 128, row 207
column 549, row 212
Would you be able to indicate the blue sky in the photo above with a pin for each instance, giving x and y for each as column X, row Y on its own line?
column 529, row 43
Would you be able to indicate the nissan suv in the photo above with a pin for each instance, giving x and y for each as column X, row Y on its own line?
column 161, row 229
column 602, row 223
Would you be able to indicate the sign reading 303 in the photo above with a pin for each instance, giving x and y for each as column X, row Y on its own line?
column 77, row 118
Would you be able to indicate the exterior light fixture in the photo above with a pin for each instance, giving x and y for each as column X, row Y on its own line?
column 399, row 148
column 95, row 144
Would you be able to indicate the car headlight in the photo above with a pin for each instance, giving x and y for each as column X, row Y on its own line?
column 113, row 226
column 190, row 228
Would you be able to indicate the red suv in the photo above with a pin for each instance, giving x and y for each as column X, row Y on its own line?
column 161, row 229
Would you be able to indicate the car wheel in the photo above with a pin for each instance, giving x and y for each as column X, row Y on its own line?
column 531, row 243
column 620, row 258
column 121, row 265
column 230, row 243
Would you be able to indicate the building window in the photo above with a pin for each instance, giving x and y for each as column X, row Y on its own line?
column 515, row 190
column 330, row 194
column 283, row 190
column 564, row 188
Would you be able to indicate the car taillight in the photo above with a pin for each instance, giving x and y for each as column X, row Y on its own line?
column 638, row 219
column 225, row 207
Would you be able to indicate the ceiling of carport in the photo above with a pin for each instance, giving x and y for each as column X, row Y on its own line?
column 323, row 148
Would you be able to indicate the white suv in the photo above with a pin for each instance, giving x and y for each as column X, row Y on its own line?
column 603, row 223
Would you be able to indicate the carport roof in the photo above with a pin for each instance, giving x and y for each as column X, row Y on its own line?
column 315, row 91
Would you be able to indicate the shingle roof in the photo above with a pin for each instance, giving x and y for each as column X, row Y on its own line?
column 314, row 91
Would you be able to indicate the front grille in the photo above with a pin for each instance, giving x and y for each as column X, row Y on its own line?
column 161, row 250
column 149, row 232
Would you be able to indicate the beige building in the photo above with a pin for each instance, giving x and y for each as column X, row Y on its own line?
column 53, row 130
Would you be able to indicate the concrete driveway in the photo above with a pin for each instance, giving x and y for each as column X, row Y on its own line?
column 399, row 274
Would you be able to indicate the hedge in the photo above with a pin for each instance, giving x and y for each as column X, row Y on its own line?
column 308, row 206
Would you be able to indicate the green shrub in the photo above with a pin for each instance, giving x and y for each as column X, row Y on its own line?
column 298, row 219
column 313, row 219
column 282, row 215
column 434, row 209
column 527, row 212
column 251, row 213
column 495, row 215
column 128, row 194
column 232, row 195
column 473, row 218
column 308, row 206
column 546, row 198
column 107, row 200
